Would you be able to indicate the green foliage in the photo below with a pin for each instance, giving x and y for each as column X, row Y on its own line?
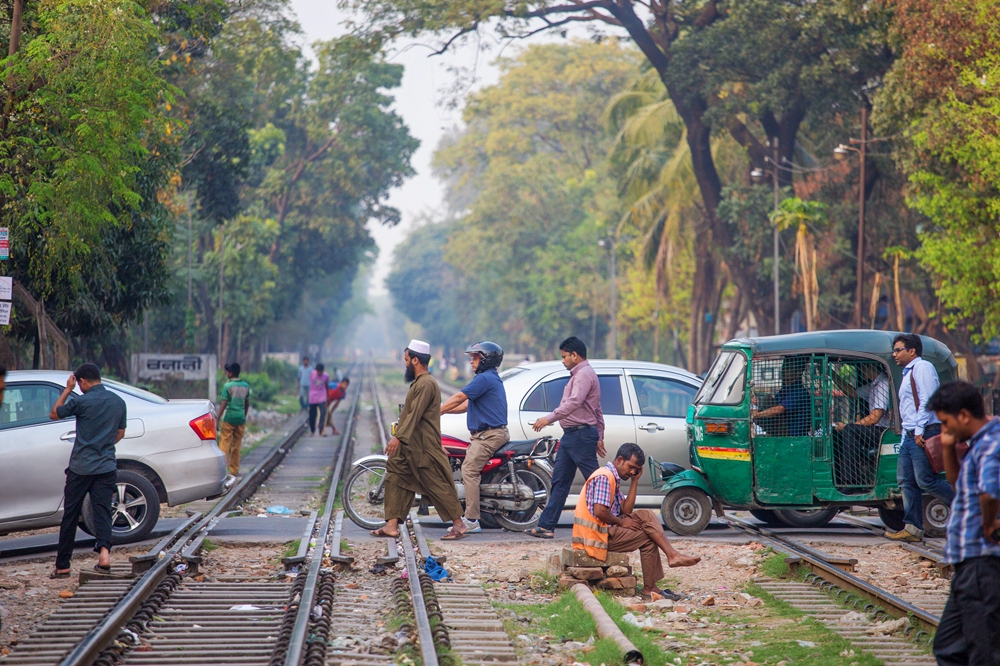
column 262, row 389
column 774, row 565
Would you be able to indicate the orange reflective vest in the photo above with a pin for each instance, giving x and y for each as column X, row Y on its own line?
column 589, row 533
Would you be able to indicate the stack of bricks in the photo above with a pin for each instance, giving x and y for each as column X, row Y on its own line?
column 575, row 566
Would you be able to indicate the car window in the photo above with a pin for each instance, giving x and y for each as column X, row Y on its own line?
column 511, row 372
column 536, row 401
column 25, row 404
column 554, row 392
column 611, row 394
column 134, row 391
column 725, row 381
column 659, row 396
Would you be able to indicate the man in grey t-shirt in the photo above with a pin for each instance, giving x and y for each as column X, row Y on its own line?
column 93, row 468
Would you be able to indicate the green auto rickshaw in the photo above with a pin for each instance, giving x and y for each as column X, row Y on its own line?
column 795, row 428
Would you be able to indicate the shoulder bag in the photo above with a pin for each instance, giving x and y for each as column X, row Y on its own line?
column 932, row 445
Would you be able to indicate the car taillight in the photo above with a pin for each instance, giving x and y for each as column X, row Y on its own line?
column 204, row 426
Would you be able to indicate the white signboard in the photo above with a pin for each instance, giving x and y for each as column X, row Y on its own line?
column 4, row 313
column 6, row 288
column 183, row 367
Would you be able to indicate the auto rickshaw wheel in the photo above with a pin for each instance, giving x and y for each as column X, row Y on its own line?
column 767, row 517
column 935, row 516
column 891, row 518
column 686, row 511
column 806, row 517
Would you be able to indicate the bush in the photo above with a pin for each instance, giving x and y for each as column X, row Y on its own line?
column 284, row 374
column 262, row 389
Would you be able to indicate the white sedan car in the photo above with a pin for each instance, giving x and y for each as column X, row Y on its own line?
column 645, row 403
column 169, row 456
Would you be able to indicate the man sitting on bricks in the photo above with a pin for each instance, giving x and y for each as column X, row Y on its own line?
column 605, row 522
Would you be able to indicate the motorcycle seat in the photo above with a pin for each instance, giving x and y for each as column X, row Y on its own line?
column 519, row 448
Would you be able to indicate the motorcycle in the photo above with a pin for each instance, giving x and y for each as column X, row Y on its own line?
column 516, row 483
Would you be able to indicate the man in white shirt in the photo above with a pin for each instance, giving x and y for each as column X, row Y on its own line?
column 860, row 440
column 913, row 471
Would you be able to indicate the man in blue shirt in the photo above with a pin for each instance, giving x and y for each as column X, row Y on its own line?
column 969, row 632
column 485, row 401
column 305, row 370
column 93, row 468
column 913, row 469
column 793, row 404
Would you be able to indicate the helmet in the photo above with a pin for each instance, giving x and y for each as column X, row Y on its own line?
column 491, row 355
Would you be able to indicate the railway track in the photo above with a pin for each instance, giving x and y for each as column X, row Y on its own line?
column 162, row 610
column 830, row 584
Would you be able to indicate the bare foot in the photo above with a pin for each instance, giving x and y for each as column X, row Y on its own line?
column 679, row 560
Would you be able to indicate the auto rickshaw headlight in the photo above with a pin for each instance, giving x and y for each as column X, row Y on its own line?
column 718, row 428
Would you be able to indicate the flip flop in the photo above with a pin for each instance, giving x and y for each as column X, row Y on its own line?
column 380, row 532
column 60, row 574
column 102, row 570
column 452, row 535
column 541, row 533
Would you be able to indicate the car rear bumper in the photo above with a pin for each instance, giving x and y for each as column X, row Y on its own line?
column 191, row 474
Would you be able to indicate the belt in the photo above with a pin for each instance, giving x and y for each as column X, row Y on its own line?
column 579, row 427
column 487, row 429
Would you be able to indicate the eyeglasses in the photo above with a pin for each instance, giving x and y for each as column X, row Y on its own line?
column 899, row 350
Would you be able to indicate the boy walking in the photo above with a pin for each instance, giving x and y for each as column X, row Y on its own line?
column 93, row 468
column 233, row 410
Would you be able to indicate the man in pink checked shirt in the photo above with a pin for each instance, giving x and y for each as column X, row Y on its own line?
column 579, row 414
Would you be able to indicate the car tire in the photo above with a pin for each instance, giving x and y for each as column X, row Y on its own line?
column 891, row 518
column 141, row 512
column 686, row 511
column 806, row 517
column 767, row 516
column 936, row 515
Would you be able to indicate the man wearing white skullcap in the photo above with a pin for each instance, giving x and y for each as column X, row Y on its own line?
column 417, row 462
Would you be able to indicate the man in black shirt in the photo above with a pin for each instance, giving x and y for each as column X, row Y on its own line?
column 100, row 425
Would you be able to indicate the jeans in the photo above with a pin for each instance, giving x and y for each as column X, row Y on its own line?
column 577, row 450
column 101, row 488
column 304, row 397
column 317, row 417
column 915, row 477
column 969, row 633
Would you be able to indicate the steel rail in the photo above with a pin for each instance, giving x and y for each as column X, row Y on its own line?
column 297, row 639
column 924, row 552
column 831, row 573
column 425, row 636
column 378, row 409
column 98, row 638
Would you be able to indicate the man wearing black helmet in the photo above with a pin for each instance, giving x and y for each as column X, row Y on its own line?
column 485, row 401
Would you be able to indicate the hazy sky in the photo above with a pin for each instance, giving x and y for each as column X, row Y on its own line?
column 426, row 82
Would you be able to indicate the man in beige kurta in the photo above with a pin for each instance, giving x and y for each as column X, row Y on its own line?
column 417, row 462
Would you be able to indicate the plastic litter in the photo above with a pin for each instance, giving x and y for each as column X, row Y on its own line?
column 244, row 607
column 435, row 570
column 806, row 643
column 644, row 623
column 279, row 510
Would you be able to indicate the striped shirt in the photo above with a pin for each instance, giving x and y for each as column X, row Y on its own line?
column 979, row 473
column 599, row 492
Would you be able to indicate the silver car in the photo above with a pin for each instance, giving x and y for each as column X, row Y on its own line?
column 645, row 403
column 169, row 456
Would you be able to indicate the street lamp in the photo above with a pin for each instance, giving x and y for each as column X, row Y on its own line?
column 757, row 175
column 841, row 152
column 609, row 243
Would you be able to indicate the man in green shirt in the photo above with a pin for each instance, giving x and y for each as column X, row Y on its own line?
column 233, row 416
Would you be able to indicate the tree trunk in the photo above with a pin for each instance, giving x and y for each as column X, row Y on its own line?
column 704, row 303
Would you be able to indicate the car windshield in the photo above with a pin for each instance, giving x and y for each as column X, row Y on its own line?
column 135, row 392
column 511, row 372
column 724, row 384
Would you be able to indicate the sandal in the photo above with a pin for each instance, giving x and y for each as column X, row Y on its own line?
column 454, row 535
column 102, row 570
column 61, row 574
column 380, row 532
column 541, row 533
column 665, row 593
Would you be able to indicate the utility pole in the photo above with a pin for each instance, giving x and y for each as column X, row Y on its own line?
column 861, row 217
column 222, row 282
column 614, row 302
column 777, row 203
column 190, row 202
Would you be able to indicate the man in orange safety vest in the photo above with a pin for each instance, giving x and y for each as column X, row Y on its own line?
column 605, row 522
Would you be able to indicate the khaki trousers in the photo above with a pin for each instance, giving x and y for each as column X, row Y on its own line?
column 622, row 540
column 482, row 446
column 230, row 441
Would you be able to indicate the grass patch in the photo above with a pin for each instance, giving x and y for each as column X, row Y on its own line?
column 293, row 548
column 209, row 546
column 345, row 547
column 643, row 640
column 286, row 403
column 774, row 565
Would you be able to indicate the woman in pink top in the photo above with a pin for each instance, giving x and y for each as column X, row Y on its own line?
column 317, row 399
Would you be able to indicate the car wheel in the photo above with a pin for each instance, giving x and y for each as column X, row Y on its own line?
column 135, row 508
column 767, row 517
column 806, row 517
column 686, row 511
column 935, row 516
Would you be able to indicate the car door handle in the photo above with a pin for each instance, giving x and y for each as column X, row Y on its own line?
column 68, row 436
column 651, row 427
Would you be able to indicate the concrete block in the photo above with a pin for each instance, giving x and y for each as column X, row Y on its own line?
column 555, row 567
column 571, row 557
column 566, row 582
column 626, row 584
column 586, row 573
column 617, row 571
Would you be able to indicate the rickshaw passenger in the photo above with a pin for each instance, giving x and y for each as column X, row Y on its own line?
column 861, row 438
column 792, row 402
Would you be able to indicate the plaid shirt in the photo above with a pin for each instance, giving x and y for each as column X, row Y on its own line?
column 599, row 492
column 979, row 473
